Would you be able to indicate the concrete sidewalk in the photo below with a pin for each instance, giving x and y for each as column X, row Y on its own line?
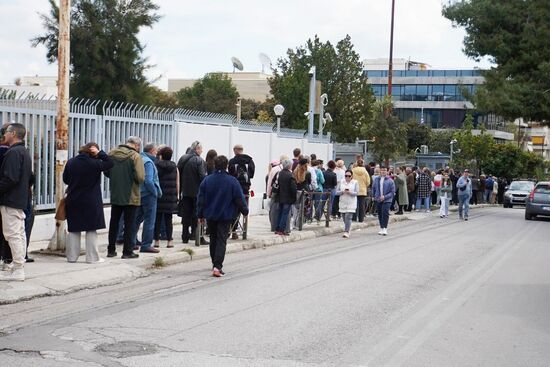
column 53, row 275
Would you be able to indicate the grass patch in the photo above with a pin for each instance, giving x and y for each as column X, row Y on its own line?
column 189, row 251
column 159, row 262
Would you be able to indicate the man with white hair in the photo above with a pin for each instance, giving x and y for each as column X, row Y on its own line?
column 192, row 169
column 126, row 176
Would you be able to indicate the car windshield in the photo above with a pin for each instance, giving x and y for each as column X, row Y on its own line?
column 522, row 186
column 543, row 189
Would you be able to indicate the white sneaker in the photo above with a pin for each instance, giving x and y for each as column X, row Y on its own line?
column 381, row 231
column 15, row 275
column 428, row 211
column 384, row 232
column 7, row 267
column 345, row 235
column 101, row 260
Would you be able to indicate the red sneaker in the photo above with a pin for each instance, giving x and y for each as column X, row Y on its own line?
column 216, row 273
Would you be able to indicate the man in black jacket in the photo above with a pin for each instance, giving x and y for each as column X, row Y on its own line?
column 287, row 195
column 192, row 169
column 15, row 178
column 241, row 166
column 331, row 181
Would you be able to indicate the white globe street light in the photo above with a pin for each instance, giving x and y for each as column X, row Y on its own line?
column 279, row 110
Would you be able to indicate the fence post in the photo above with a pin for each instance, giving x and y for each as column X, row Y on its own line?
column 327, row 213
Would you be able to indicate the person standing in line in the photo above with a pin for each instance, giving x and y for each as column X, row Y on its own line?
column 192, row 170
column 454, row 180
column 340, row 174
column 82, row 175
column 348, row 189
column 475, row 190
column 362, row 177
column 242, row 167
column 287, row 196
column 303, row 181
column 330, row 185
column 210, row 157
column 5, row 252
column 297, row 153
column 219, row 198
column 495, row 191
column 273, row 195
column 423, row 190
column 482, row 186
column 15, row 179
column 150, row 192
column 318, row 194
column 383, row 192
column 464, row 185
column 410, row 188
column 126, row 176
column 401, row 186
column 167, row 204
column 489, row 183
column 446, row 190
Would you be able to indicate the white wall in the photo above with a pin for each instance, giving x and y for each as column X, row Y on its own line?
column 261, row 146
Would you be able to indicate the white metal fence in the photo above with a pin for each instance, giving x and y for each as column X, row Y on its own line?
column 108, row 124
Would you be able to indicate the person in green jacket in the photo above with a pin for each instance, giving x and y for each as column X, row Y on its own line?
column 125, row 177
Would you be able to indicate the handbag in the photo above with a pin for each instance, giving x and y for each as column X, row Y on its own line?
column 61, row 211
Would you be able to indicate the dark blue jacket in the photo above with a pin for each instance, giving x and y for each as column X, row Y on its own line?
column 389, row 189
column 220, row 197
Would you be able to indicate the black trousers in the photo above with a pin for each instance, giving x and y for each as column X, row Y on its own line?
column 218, row 241
column 188, row 217
column 412, row 201
column 129, row 213
column 168, row 226
column 360, row 212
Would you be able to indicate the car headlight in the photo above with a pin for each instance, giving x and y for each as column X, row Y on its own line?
column 508, row 194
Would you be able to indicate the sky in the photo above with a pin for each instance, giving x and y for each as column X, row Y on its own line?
column 195, row 37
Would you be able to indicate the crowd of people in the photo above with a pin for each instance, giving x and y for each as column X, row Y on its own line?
column 147, row 188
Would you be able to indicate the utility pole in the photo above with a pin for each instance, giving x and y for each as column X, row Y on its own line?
column 58, row 241
column 312, row 100
column 390, row 64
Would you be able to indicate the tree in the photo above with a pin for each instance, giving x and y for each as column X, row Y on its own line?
column 510, row 161
column 440, row 140
column 339, row 70
column 387, row 131
column 417, row 134
column 474, row 149
column 213, row 93
column 106, row 55
column 160, row 98
column 515, row 35
column 251, row 109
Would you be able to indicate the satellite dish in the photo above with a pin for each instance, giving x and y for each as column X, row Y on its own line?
column 237, row 64
column 266, row 62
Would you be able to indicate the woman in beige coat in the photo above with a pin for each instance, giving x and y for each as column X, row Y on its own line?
column 401, row 186
column 362, row 177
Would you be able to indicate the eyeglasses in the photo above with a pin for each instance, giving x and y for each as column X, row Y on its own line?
column 348, row 175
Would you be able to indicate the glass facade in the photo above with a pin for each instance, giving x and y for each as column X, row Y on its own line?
column 425, row 92
column 436, row 118
column 423, row 73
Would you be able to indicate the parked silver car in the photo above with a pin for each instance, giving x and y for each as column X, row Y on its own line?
column 517, row 193
column 538, row 202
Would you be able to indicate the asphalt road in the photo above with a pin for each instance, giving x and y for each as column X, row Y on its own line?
column 435, row 292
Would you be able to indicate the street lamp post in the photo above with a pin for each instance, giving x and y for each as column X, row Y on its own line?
column 312, row 98
column 279, row 110
column 452, row 143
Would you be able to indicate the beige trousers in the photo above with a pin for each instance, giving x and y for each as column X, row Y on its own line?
column 13, row 226
column 74, row 245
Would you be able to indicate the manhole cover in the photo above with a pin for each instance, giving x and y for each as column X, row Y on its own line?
column 125, row 349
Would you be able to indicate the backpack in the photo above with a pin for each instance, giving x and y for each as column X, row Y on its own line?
column 241, row 170
column 275, row 184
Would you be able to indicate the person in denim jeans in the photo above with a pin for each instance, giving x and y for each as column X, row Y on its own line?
column 464, row 186
column 423, row 190
column 150, row 192
column 383, row 192
column 287, row 196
